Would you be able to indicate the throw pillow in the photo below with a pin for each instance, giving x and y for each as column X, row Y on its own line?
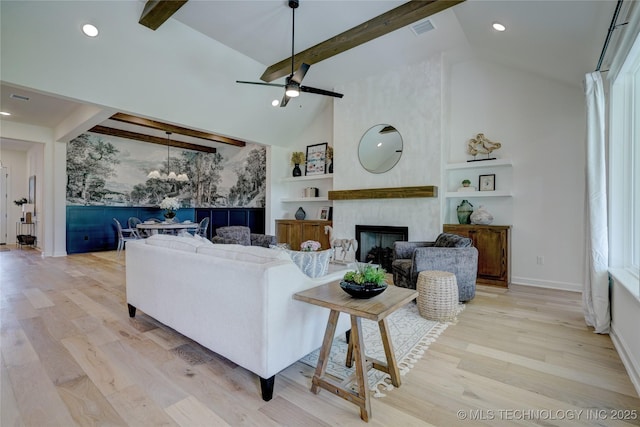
column 446, row 240
column 313, row 264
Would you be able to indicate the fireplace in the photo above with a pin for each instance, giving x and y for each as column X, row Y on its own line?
column 375, row 243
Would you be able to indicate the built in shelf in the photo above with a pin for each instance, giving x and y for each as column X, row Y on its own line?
column 476, row 194
column 307, row 178
column 305, row 199
column 479, row 164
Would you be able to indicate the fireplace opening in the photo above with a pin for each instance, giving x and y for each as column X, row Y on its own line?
column 375, row 243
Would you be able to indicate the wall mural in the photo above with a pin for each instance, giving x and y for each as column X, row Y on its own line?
column 113, row 171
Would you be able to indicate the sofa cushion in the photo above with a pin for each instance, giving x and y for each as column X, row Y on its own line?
column 447, row 240
column 181, row 243
column 203, row 240
column 243, row 253
column 313, row 264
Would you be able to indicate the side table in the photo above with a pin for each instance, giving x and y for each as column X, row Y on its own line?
column 437, row 295
column 331, row 296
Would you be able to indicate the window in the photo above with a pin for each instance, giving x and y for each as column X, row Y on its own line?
column 624, row 167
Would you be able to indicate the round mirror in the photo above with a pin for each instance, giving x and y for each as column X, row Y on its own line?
column 380, row 148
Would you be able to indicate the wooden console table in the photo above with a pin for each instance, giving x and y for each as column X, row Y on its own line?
column 294, row 232
column 494, row 250
column 377, row 309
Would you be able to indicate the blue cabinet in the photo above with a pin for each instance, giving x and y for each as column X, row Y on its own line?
column 223, row 217
column 91, row 228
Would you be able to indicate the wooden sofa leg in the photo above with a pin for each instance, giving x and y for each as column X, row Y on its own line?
column 132, row 310
column 267, row 387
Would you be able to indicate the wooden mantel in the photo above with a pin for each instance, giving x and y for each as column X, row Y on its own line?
column 385, row 193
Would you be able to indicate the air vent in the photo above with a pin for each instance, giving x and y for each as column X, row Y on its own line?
column 422, row 27
column 19, row 97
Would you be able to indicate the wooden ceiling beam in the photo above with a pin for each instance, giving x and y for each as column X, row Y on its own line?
column 392, row 20
column 140, row 121
column 156, row 12
column 104, row 130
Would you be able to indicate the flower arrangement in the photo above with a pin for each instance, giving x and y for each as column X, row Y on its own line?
column 329, row 152
column 21, row 202
column 297, row 157
column 310, row 246
column 170, row 204
column 367, row 275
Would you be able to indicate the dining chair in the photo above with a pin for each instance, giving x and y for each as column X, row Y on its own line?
column 202, row 227
column 124, row 235
column 133, row 222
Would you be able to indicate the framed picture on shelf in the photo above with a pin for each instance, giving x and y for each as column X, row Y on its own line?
column 487, row 182
column 316, row 158
column 324, row 213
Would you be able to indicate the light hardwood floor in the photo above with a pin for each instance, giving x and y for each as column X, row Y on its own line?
column 72, row 356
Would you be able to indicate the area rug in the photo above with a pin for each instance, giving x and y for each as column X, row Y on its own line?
column 411, row 335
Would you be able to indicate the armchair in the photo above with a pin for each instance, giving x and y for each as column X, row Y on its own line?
column 449, row 252
column 241, row 235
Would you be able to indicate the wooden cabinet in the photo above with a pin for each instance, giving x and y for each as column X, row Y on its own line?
column 294, row 232
column 494, row 251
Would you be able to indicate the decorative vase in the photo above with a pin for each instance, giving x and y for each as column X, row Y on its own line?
column 169, row 215
column 481, row 216
column 331, row 166
column 296, row 170
column 300, row 213
column 464, row 212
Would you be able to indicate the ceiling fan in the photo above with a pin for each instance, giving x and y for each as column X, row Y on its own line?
column 293, row 82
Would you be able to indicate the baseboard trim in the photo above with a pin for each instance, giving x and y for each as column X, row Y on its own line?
column 627, row 361
column 564, row 286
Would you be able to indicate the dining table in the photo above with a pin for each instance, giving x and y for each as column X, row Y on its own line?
column 153, row 227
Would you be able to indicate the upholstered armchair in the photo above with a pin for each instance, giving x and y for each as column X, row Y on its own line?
column 241, row 235
column 449, row 252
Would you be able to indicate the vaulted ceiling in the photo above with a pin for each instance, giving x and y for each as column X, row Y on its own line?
column 561, row 40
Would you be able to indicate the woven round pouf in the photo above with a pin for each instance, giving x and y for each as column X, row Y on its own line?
column 437, row 295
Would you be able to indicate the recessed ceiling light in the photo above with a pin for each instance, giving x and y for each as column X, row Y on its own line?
column 90, row 30
column 498, row 26
column 275, row 102
column 4, row 113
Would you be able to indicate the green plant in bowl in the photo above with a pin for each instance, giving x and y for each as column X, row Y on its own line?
column 365, row 282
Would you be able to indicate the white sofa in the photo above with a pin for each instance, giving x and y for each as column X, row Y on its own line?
column 234, row 300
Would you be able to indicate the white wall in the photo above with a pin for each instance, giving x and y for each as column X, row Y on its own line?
column 540, row 123
column 409, row 99
column 321, row 130
column 173, row 74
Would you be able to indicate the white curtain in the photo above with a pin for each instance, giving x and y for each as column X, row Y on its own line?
column 595, row 296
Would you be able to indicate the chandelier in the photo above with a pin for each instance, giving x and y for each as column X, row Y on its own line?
column 172, row 176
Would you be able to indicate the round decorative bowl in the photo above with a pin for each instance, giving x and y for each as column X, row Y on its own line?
column 366, row 290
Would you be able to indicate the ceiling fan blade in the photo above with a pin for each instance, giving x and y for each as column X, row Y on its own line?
column 320, row 91
column 260, row 83
column 299, row 75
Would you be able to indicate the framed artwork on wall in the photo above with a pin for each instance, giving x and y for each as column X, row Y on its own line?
column 316, row 158
column 487, row 182
column 32, row 192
